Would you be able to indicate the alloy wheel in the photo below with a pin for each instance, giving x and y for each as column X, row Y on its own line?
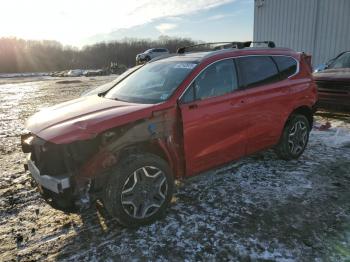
column 144, row 192
column 297, row 137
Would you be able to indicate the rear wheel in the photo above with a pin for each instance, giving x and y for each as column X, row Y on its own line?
column 139, row 190
column 294, row 138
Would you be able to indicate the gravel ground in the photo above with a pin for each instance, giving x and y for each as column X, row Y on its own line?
column 259, row 208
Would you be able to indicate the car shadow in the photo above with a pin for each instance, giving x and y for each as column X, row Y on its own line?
column 226, row 216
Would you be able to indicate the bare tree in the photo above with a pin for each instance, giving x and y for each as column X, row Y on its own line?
column 18, row 55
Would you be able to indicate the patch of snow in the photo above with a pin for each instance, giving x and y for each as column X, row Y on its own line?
column 334, row 137
column 13, row 75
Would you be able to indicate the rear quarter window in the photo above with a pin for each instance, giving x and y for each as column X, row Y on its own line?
column 286, row 65
column 257, row 70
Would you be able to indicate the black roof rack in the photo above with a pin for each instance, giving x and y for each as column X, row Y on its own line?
column 270, row 44
column 225, row 45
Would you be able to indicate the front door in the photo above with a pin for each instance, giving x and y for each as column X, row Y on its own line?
column 213, row 118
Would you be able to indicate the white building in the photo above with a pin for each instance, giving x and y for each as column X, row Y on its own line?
column 318, row 27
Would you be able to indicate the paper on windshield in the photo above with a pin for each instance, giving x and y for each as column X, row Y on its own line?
column 185, row 65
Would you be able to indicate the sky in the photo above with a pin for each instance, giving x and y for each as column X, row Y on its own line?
column 80, row 22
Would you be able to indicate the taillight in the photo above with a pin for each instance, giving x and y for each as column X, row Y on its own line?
column 307, row 59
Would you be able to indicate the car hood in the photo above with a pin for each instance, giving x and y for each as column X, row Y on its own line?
column 83, row 118
column 336, row 74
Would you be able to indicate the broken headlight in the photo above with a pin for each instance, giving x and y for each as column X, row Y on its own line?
column 26, row 142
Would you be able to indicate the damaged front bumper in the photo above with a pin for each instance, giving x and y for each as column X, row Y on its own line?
column 55, row 184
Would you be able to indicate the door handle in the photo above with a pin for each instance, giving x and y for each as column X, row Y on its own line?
column 193, row 106
column 237, row 103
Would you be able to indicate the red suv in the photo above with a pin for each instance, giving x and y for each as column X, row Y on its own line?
column 171, row 118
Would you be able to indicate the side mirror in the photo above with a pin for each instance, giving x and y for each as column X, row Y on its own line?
column 320, row 67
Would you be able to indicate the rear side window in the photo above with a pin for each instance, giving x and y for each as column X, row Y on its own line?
column 286, row 65
column 257, row 70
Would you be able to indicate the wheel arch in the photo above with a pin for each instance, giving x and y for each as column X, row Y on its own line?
column 147, row 147
column 306, row 111
column 157, row 147
column 302, row 110
column 144, row 147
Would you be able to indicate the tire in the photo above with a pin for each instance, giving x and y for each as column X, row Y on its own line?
column 294, row 138
column 139, row 190
column 147, row 59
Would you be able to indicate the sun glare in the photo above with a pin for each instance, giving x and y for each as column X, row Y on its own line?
column 70, row 22
column 66, row 21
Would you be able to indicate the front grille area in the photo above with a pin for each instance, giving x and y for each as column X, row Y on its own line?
column 49, row 158
column 54, row 160
column 333, row 87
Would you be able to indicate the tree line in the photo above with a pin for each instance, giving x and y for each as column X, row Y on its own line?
column 19, row 55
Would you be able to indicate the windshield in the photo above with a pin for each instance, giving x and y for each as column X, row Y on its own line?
column 109, row 85
column 153, row 83
column 343, row 61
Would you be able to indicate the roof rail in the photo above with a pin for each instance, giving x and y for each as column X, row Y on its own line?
column 270, row 44
column 226, row 45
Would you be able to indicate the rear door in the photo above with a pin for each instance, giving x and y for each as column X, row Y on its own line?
column 213, row 118
column 267, row 99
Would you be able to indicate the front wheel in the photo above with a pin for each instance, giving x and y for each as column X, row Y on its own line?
column 139, row 190
column 294, row 138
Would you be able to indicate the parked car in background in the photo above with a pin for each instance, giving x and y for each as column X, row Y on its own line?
column 171, row 118
column 96, row 72
column 59, row 73
column 150, row 54
column 333, row 81
column 75, row 72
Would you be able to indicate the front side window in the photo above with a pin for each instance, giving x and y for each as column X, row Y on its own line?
column 218, row 79
column 343, row 61
column 257, row 70
column 152, row 83
column 286, row 65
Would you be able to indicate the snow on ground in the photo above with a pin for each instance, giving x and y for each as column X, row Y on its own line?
column 258, row 208
column 16, row 75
